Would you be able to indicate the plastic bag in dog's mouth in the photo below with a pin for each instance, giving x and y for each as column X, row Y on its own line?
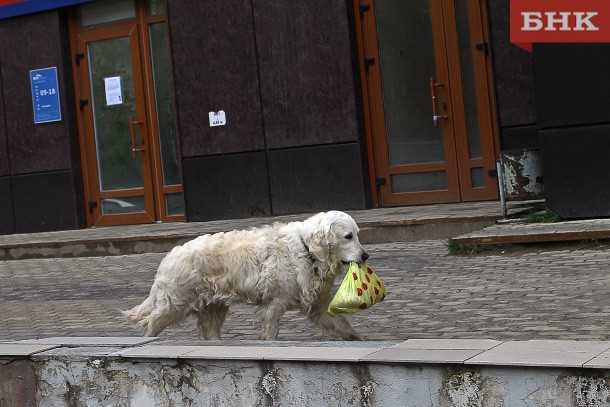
column 360, row 289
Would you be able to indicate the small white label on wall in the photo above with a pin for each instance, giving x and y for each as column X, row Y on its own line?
column 114, row 93
column 217, row 118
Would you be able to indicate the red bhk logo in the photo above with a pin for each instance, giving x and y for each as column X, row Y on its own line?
column 537, row 21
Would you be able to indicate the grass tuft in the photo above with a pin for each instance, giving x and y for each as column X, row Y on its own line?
column 545, row 216
column 457, row 249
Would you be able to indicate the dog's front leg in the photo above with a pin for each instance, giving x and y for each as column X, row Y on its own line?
column 336, row 325
column 271, row 315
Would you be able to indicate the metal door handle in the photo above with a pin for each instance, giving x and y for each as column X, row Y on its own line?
column 132, row 135
column 435, row 116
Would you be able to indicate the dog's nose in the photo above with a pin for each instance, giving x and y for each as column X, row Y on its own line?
column 365, row 256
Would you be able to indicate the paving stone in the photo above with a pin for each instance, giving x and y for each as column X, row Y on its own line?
column 449, row 344
column 13, row 349
column 557, row 346
column 321, row 354
column 81, row 297
column 398, row 355
column 156, row 352
column 249, row 353
column 601, row 361
column 541, row 353
column 230, row 352
column 83, row 353
column 279, row 353
column 233, row 343
column 79, row 341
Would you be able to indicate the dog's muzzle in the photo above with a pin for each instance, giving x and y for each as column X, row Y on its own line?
column 363, row 257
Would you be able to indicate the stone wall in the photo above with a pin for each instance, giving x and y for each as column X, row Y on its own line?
column 60, row 382
column 420, row 373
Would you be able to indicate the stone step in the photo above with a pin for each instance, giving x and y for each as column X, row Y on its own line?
column 529, row 233
column 377, row 226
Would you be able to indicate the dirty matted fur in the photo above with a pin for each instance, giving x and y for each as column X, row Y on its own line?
column 282, row 267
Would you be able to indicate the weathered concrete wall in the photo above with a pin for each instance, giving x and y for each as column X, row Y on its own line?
column 17, row 383
column 113, row 382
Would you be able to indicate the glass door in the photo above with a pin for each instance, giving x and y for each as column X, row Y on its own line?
column 426, row 108
column 469, row 56
column 158, row 67
column 114, row 113
column 411, row 106
column 127, row 122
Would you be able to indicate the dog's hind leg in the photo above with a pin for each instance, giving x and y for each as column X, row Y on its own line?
column 271, row 315
column 165, row 313
column 211, row 319
column 336, row 325
column 158, row 321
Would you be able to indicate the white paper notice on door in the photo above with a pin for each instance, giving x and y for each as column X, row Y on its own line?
column 114, row 93
column 218, row 118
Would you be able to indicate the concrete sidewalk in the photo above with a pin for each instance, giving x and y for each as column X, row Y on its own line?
column 545, row 293
column 377, row 226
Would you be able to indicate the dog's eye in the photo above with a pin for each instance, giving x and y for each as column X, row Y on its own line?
column 349, row 236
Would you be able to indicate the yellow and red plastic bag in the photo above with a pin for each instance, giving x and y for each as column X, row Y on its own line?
column 361, row 288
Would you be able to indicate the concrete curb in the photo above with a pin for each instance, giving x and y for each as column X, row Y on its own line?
column 488, row 352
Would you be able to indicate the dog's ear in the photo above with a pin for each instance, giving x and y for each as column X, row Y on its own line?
column 319, row 246
column 321, row 241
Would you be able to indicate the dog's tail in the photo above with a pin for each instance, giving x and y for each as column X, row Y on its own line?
column 157, row 311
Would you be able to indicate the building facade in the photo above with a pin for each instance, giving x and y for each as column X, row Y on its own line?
column 200, row 110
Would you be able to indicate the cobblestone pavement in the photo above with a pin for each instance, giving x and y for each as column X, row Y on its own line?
column 544, row 293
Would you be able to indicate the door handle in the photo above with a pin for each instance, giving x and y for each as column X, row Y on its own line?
column 436, row 117
column 132, row 134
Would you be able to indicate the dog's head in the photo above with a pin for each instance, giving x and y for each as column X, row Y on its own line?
column 332, row 237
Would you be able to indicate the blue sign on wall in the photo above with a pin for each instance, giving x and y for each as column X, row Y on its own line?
column 11, row 8
column 45, row 95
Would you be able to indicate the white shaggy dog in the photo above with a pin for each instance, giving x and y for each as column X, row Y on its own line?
column 281, row 267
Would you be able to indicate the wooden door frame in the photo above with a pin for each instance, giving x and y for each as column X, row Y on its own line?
column 373, row 117
column 480, row 62
column 161, row 190
column 489, row 70
column 373, row 82
column 142, row 21
column 363, row 36
column 117, row 30
column 85, row 171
